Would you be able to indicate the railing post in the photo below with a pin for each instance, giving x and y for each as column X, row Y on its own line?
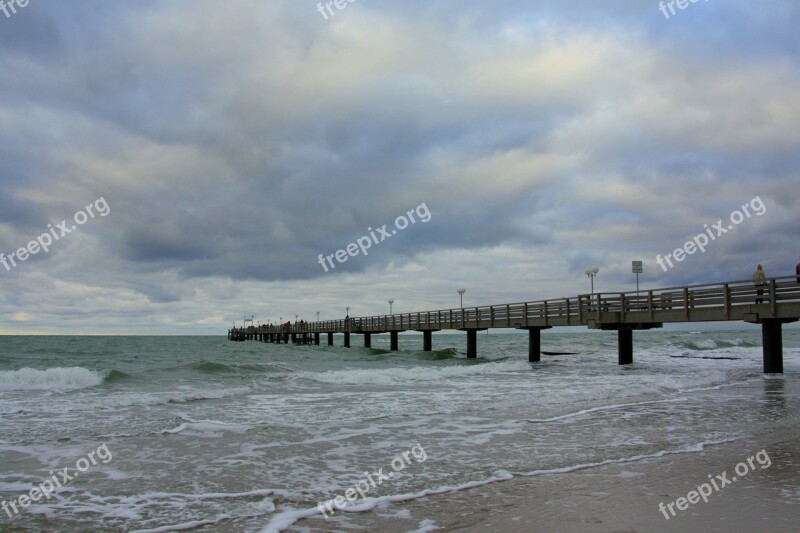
column 622, row 306
column 686, row 303
column 477, row 317
column 726, row 300
column 545, row 310
column 773, row 297
column 569, row 320
column 599, row 301
column 650, row 304
column 508, row 316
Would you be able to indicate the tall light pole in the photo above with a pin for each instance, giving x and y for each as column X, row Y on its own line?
column 390, row 306
column 461, row 294
column 592, row 272
column 348, row 310
column 317, row 316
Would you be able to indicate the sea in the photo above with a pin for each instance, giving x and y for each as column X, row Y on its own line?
column 199, row 433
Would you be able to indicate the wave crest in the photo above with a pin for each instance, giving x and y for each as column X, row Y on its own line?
column 51, row 379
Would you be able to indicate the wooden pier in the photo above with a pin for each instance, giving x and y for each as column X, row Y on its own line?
column 621, row 312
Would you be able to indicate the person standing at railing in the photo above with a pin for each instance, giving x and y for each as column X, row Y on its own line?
column 797, row 272
column 760, row 281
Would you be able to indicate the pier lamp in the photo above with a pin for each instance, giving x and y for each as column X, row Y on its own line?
column 461, row 294
column 390, row 306
column 317, row 316
column 295, row 318
column 592, row 272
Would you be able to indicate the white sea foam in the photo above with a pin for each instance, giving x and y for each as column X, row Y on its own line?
column 285, row 519
column 393, row 376
column 601, row 408
column 50, row 379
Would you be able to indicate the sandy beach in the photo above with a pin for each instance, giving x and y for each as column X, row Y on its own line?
column 621, row 497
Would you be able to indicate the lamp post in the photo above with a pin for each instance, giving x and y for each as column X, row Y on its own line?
column 317, row 316
column 390, row 306
column 592, row 272
column 348, row 310
column 461, row 294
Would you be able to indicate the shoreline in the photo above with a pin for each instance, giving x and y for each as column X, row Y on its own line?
column 615, row 497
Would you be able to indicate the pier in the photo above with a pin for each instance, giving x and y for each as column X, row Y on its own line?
column 623, row 312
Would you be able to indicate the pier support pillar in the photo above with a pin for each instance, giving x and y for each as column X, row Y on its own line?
column 294, row 338
column 330, row 339
column 534, row 345
column 367, row 340
column 472, row 343
column 393, row 341
column 625, row 341
column 286, row 338
column 305, row 338
column 427, row 341
column 772, row 336
column 346, row 339
column 316, row 339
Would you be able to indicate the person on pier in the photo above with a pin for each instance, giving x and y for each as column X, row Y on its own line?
column 797, row 272
column 760, row 281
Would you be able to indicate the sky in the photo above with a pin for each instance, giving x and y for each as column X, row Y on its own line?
column 228, row 150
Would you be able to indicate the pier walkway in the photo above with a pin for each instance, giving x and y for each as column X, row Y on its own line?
column 624, row 312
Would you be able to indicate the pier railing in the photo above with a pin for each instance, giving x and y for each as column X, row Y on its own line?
column 734, row 300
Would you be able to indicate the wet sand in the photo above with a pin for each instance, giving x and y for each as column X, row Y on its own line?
column 618, row 497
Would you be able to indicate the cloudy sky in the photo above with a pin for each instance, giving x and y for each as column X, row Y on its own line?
column 234, row 142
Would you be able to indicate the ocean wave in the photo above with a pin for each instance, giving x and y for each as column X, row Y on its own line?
column 394, row 376
column 52, row 379
column 438, row 355
column 710, row 344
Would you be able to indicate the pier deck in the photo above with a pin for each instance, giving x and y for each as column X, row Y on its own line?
column 623, row 312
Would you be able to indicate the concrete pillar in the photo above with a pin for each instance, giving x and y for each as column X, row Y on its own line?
column 316, row 339
column 393, row 341
column 294, row 338
column 367, row 340
column 772, row 337
column 472, row 343
column 330, row 339
column 427, row 341
column 305, row 338
column 625, row 341
column 346, row 339
column 534, row 345
column 286, row 338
